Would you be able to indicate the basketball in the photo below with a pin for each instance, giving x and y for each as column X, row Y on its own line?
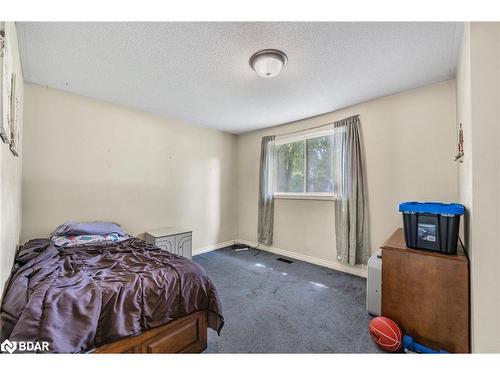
column 385, row 333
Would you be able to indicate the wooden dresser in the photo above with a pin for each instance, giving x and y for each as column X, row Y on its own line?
column 427, row 294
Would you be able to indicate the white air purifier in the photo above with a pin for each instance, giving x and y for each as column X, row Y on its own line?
column 374, row 284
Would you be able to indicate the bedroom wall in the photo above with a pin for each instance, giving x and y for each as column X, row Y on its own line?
column 10, row 180
column 464, row 168
column 409, row 142
column 90, row 160
column 478, row 98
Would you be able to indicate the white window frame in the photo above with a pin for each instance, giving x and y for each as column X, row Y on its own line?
column 304, row 136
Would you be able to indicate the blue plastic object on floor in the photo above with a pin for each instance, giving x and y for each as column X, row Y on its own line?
column 410, row 344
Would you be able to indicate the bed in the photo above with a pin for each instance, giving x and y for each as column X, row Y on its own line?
column 123, row 296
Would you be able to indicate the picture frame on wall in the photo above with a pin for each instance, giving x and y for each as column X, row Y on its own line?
column 15, row 117
column 6, row 86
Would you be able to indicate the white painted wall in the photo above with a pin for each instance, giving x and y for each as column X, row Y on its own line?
column 478, row 94
column 410, row 144
column 464, row 117
column 10, row 179
column 90, row 160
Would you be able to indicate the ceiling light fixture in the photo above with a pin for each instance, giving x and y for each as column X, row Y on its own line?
column 268, row 63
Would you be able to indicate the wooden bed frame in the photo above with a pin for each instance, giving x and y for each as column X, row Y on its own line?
column 184, row 335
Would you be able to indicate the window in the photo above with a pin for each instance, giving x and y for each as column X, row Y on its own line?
column 304, row 166
column 290, row 167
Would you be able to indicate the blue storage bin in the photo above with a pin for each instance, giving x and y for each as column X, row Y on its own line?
column 432, row 225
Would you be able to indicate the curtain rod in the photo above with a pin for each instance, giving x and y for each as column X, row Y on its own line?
column 314, row 127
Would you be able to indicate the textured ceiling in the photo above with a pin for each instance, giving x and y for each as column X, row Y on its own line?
column 199, row 72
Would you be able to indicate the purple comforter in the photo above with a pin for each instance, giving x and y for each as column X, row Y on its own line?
column 83, row 297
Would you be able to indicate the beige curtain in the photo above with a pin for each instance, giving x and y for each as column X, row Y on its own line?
column 266, row 192
column 351, row 205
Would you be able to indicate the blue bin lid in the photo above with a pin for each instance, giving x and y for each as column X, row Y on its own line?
column 435, row 208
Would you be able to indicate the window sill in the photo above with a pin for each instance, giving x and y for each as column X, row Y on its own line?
column 314, row 197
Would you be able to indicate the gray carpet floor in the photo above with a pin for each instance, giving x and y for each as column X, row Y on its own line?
column 273, row 307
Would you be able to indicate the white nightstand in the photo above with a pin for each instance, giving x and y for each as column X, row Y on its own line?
column 175, row 240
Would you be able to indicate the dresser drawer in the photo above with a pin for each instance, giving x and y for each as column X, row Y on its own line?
column 172, row 239
column 183, row 244
column 166, row 243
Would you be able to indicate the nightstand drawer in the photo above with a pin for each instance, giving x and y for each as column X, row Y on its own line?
column 183, row 244
column 166, row 243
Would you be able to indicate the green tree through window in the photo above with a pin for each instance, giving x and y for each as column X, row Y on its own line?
column 319, row 165
column 305, row 166
column 290, row 176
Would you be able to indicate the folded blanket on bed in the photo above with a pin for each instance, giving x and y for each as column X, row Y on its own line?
column 82, row 297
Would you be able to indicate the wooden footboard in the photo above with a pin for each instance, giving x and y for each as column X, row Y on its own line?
column 184, row 335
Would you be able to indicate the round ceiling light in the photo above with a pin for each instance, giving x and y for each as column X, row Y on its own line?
column 268, row 63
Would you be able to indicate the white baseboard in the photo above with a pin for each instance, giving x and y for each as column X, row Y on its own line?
column 357, row 270
column 354, row 270
column 206, row 249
